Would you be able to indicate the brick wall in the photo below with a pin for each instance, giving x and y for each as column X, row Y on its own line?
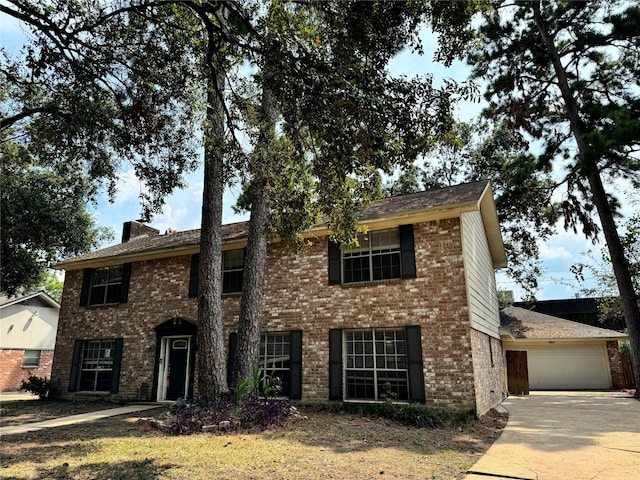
column 489, row 371
column 615, row 364
column 298, row 297
column 12, row 373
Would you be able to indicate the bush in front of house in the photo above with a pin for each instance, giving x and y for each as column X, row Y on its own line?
column 40, row 386
column 252, row 406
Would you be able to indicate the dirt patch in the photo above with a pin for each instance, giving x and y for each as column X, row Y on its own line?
column 317, row 445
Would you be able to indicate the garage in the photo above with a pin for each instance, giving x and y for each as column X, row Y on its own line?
column 568, row 367
column 543, row 352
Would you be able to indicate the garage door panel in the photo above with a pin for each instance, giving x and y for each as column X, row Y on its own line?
column 573, row 367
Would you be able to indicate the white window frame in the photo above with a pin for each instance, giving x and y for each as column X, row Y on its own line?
column 394, row 356
column 109, row 285
column 34, row 360
column 370, row 246
column 102, row 364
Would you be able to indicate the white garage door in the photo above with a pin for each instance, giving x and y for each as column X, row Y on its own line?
column 568, row 367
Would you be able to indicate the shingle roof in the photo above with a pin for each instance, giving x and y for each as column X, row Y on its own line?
column 526, row 324
column 458, row 195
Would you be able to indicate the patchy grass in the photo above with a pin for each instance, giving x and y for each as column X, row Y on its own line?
column 319, row 445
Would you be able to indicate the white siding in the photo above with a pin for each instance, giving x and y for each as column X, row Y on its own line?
column 23, row 329
column 480, row 276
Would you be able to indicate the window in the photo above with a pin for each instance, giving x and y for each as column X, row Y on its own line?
column 280, row 356
column 275, row 356
column 375, row 365
column 105, row 285
column 376, row 258
column 232, row 270
column 31, row 358
column 95, row 365
column 380, row 255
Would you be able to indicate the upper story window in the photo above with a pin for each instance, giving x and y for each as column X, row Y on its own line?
column 232, row 268
column 232, row 271
column 380, row 255
column 376, row 258
column 105, row 285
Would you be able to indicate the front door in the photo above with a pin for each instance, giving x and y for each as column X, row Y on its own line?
column 174, row 368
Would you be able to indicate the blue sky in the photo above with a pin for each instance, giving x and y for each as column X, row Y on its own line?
column 183, row 208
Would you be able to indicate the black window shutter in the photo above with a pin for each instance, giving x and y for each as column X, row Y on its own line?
column 295, row 362
column 117, row 362
column 414, row 364
column 407, row 251
column 233, row 343
column 335, row 278
column 193, row 275
column 76, row 358
column 86, row 287
column 335, row 364
column 124, row 286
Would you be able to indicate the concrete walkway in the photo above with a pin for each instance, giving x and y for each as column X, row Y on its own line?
column 567, row 436
column 74, row 419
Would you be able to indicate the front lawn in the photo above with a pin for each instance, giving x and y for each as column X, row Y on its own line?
column 320, row 445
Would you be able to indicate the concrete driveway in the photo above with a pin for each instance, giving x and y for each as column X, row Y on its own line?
column 568, row 436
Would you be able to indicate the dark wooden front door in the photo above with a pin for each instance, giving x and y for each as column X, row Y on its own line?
column 177, row 368
column 517, row 373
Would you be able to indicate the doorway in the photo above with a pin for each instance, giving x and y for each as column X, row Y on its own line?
column 174, row 360
column 174, row 369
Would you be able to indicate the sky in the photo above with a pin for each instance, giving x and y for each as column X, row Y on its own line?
column 182, row 210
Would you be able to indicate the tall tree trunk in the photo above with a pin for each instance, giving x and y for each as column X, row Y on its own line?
column 212, row 373
column 590, row 168
column 252, row 301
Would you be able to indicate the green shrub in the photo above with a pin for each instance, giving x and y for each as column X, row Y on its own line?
column 40, row 386
column 409, row 414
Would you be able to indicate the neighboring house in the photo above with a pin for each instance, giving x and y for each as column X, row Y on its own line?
column 28, row 326
column 411, row 314
column 543, row 352
column 581, row 310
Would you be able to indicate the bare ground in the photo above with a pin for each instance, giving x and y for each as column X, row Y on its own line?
column 318, row 445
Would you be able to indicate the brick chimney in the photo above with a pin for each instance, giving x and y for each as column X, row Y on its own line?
column 136, row 229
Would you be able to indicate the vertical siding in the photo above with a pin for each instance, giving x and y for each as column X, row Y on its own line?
column 480, row 276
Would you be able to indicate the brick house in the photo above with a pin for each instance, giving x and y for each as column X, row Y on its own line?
column 412, row 313
column 28, row 326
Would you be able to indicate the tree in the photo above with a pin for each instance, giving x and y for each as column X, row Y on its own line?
column 609, row 305
column 565, row 73
column 327, row 83
column 526, row 211
column 44, row 219
column 323, row 82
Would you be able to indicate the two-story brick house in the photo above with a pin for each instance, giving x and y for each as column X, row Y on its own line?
column 412, row 313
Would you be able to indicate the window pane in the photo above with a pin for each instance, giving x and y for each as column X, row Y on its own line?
column 113, row 294
column 360, row 385
column 356, row 269
column 233, row 259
